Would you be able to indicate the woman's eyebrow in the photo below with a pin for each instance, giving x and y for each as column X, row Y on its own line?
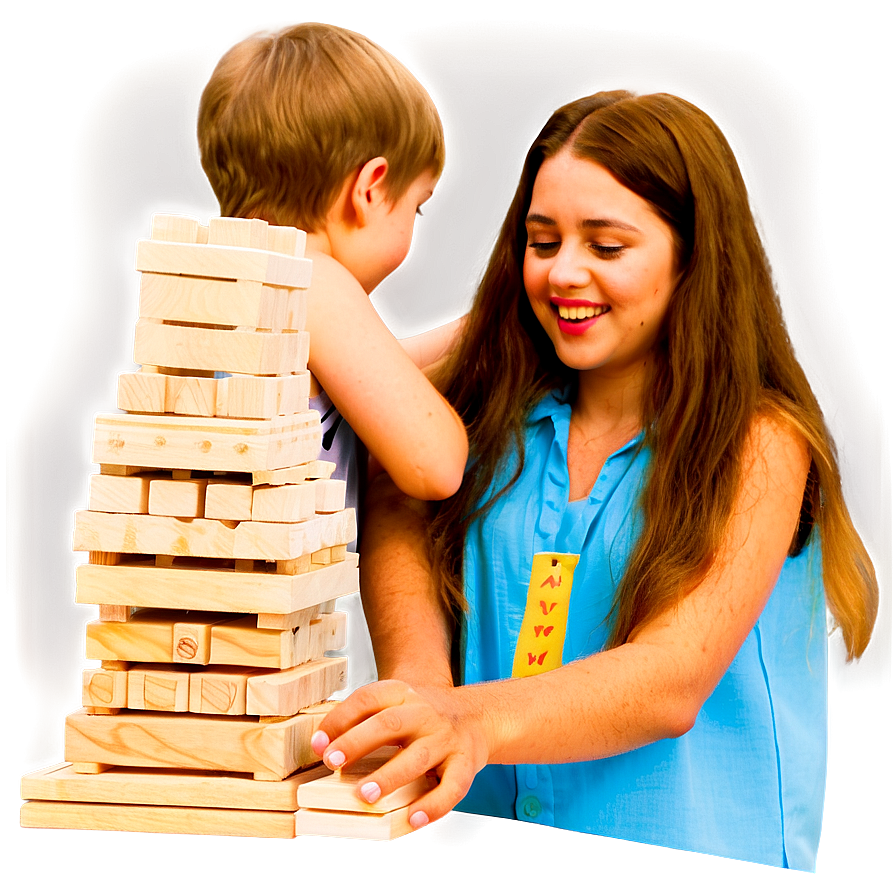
column 586, row 224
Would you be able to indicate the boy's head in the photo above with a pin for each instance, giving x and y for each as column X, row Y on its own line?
column 286, row 118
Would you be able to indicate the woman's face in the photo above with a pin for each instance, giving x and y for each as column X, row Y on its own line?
column 599, row 268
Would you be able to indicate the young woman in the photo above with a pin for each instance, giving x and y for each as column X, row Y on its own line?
column 637, row 562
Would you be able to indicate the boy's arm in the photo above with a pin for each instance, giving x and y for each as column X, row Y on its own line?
column 428, row 349
column 404, row 422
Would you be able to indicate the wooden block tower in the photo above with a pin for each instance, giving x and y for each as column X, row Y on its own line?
column 217, row 548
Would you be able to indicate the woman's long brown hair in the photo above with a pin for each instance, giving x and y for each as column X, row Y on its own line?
column 723, row 357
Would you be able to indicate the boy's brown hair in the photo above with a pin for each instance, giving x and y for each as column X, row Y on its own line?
column 286, row 118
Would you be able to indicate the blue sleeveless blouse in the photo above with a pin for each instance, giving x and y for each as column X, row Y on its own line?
column 747, row 781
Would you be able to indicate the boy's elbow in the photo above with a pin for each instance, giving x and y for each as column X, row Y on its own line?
column 433, row 481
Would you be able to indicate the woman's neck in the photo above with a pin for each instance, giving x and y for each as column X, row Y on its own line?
column 607, row 413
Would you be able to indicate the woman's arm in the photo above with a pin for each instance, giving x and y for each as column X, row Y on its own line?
column 408, row 625
column 428, row 349
column 649, row 688
column 404, row 422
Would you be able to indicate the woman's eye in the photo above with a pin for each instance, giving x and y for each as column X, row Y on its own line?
column 607, row 251
column 544, row 247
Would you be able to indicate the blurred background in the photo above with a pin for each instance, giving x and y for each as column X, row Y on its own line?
column 100, row 101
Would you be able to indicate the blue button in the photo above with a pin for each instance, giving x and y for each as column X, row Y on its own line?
column 531, row 807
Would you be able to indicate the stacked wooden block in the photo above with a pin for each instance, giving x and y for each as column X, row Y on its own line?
column 217, row 548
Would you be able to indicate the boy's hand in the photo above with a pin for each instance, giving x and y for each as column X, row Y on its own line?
column 438, row 729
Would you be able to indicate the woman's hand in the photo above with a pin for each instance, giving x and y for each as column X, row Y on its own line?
column 438, row 729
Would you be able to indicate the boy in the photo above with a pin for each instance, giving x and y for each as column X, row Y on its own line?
column 318, row 128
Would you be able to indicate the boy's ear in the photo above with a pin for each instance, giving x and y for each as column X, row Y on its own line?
column 368, row 192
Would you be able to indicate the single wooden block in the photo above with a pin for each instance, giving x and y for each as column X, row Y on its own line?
column 209, row 348
column 177, row 497
column 263, row 397
column 219, row 691
column 158, row 819
column 283, row 503
column 191, row 396
column 154, row 535
column 356, row 826
column 142, row 392
column 339, row 792
column 162, row 740
column 285, row 693
column 119, row 494
column 168, row 787
column 104, row 688
column 236, row 303
column 158, row 688
column 199, row 443
column 251, row 233
column 228, row 501
column 288, row 240
column 316, row 469
column 145, row 638
column 241, row 643
column 215, row 590
column 329, row 495
column 114, row 614
column 223, row 263
column 175, row 228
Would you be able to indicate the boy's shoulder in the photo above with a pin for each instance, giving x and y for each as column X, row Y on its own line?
column 329, row 275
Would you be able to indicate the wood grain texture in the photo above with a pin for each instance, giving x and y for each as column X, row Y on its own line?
column 218, row 590
column 202, row 443
column 273, row 750
column 223, row 262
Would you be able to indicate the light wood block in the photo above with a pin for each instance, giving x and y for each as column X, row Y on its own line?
column 142, row 534
column 285, row 693
column 119, row 494
column 223, row 262
column 224, row 591
column 228, row 501
column 204, row 348
column 316, row 469
column 236, row 303
column 158, row 819
column 329, row 495
column 356, row 826
column 263, row 397
column 241, row 643
column 219, row 691
column 177, row 497
column 168, row 787
column 272, row 750
column 200, row 443
column 158, row 688
column 104, row 688
column 191, row 396
column 288, row 240
column 339, row 792
column 145, row 638
column 142, row 392
column 284, row 503
column 251, row 233
column 175, row 228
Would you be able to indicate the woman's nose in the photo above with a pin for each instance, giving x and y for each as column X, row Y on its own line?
column 568, row 270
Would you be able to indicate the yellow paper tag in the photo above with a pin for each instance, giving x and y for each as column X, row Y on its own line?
column 539, row 647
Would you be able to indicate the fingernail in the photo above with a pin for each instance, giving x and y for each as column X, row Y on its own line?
column 371, row 791
column 418, row 820
column 335, row 759
column 319, row 742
